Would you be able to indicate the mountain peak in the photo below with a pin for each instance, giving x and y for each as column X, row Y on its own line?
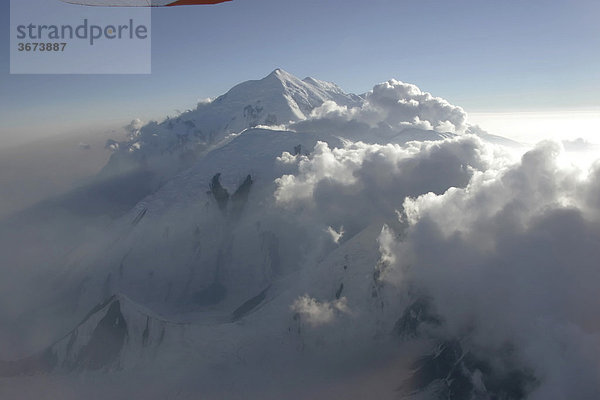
column 277, row 99
column 279, row 72
column 282, row 75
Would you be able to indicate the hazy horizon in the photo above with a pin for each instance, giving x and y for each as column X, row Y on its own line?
column 486, row 57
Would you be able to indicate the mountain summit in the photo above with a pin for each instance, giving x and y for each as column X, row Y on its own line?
column 278, row 99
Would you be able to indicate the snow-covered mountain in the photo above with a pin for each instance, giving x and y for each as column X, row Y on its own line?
column 278, row 99
column 284, row 101
column 267, row 249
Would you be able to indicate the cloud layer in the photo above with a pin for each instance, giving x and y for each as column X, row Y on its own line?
column 508, row 251
column 513, row 258
column 360, row 183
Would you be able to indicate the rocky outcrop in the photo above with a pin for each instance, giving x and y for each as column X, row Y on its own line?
column 451, row 372
column 220, row 194
column 115, row 334
column 417, row 314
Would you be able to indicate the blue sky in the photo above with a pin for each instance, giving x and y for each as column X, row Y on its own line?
column 483, row 55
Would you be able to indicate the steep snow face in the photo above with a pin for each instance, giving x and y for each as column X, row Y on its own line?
column 212, row 236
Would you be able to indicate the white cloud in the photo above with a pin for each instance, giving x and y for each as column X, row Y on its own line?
column 324, row 163
column 393, row 105
column 205, row 101
column 387, row 246
column 317, row 313
column 379, row 172
column 335, row 235
column 513, row 257
column 134, row 127
column 399, row 102
column 281, row 127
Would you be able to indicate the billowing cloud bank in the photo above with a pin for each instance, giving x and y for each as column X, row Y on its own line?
column 360, row 183
column 395, row 105
column 507, row 251
column 514, row 257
